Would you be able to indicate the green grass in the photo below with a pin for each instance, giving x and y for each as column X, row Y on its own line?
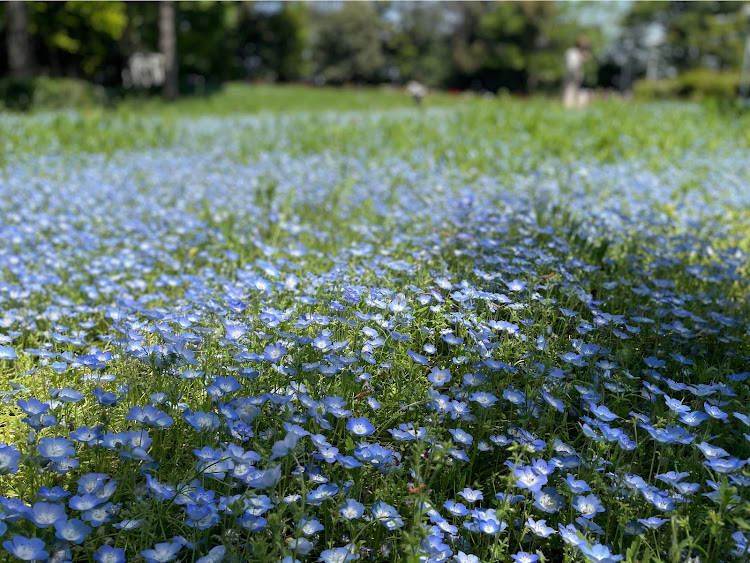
column 171, row 214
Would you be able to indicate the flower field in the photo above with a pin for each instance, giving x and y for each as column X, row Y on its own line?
column 488, row 331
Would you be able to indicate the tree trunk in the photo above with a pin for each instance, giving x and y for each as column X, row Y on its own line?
column 19, row 48
column 168, row 48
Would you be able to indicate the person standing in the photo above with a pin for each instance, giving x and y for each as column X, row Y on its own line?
column 575, row 59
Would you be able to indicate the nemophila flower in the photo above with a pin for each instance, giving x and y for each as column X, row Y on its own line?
column 201, row 517
column 26, row 549
column 84, row 502
column 45, row 514
column 386, row 515
column 715, row 412
column 33, row 406
column 456, row 509
column 86, row 435
column 599, row 554
column 55, row 448
column 571, row 535
column 548, row 500
column 317, row 496
column 523, row 557
column 589, row 506
column 360, row 426
column 603, row 413
column 461, row 436
column 338, row 555
column 723, row 465
column 73, row 530
column 418, row 358
column 9, row 458
column 214, row 556
column 694, row 418
column 202, row 421
column 528, row 478
column 653, row 522
column 486, row 522
column 540, row 528
column 555, row 403
column 575, row 485
column 150, row 415
column 462, row 557
column 127, row 525
column 99, row 515
column 310, row 525
column 66, row 395
column 162, row 552
column 274, row 352
column 439, row 377
column 91, row 482
column 471, row 495
column 514, row 396
column 351, row 510
column 105, row 398
column 7, row 353
column 301, row 546
column 484, row 399
column 711, row 451
column 54, row 494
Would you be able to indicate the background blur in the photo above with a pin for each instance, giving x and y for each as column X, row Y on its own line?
column 81, row 53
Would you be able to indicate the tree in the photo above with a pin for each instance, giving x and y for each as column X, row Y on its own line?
column 691, row 35
column 168, row 48
column 79, row 39
column 18, row 44
column 348, row 44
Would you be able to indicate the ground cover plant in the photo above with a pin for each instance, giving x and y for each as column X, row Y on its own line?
column 488, row 331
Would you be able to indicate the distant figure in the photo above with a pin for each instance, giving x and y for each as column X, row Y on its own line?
column 575, row 59
column 416, row 90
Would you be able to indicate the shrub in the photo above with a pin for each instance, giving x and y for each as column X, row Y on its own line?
column 698, row 84
column 50, row 93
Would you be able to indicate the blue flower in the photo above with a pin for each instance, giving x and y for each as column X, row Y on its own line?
column 360, row 426
column 45, row 514
column 653, row 522
column 599, row 554
column 523, row 557
column 439, row 377
column 9, row 458
column 214, row 556
column 386, row 515
column 7, row 353
column 471, row 495
column 461, row 436
column 589, row 506
column 548, row 500
column 109, row 554
column 540, row 528
column 150, row 415
column 26, row 549
column 577, row 486
column 571, row 535
column 457, row 509
column 202, row 421
column 73, row 530
column 603, row 413
column 310, row 525
column 338, row 555
column 351, row 510
column 418, row 358
column 162, row 552
column 528, row 478
column 55, row 449
column 317, row 496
